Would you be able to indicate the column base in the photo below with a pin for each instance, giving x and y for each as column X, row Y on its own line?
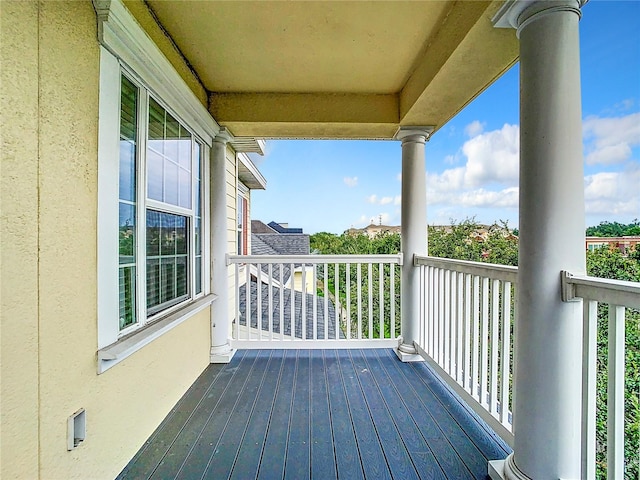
column 408, row 353
column 506, row 470
column 222, row 354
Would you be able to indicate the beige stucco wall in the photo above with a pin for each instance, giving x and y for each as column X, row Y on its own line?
column 50, row 73
column 19, row 239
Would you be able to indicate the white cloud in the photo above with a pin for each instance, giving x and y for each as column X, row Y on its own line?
column 488, row 179
column 613, row 193
column 610, row 140
column 474, row 128
column 376, row 200
column 399, row 177
column 451, row 159
column 351, row 181
column 493, row 157
column 397, row 200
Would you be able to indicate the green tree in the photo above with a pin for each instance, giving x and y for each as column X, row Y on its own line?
column 608, row 263
column 614, row 229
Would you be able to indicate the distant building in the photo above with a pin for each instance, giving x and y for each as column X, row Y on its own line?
column 623, row 244
column 372, row 230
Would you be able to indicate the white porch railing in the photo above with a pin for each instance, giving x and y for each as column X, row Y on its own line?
column 316, row 301
column 617, row 296
column 466, row 332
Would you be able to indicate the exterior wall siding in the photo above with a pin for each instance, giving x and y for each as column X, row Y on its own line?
column 231, row 228
column 49, row 265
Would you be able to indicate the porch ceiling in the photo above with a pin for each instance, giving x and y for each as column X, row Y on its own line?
column 338, row 69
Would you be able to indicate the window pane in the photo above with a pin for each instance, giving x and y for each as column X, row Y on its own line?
column 153, row 233
column 154, row 175
column 127, row 170
column 127, row 233
column 128, row 109
column 169, row 163
column 167, row 234
column 167, row 260
column 172, row 136
column 167, row 279
column 185, row 188
column 170, row 183
column 127, row 302
column 198, row 233
column 153, row 283
column 181, row 275
column 127, row 203
column 184, row 149
column 180, row 235
column 156, row 126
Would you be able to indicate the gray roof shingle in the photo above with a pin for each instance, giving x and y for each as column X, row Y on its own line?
column 285, row 307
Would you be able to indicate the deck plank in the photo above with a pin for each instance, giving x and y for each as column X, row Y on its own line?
column 448, row 422
column 171, row 462
column 228, row 409
column 319, row 414
column 253, row 443
column 371, row 454
column 297, row 464
column 393, row 447
column 223, row 457
column 426, row 443
column 274, row 453
column 347, row 457
column 471, row 424
column 323, row 461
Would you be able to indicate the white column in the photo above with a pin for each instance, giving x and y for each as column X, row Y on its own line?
column 413, row 233
column 221, row 351
column 547, row 379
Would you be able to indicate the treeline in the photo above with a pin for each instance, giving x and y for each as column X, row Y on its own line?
column 614, row 229
column 466, row 240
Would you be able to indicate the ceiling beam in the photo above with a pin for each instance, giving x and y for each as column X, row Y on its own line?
column 314, row 115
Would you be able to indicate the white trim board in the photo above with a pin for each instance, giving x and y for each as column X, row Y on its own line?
column 123, row 348
column 120, row 33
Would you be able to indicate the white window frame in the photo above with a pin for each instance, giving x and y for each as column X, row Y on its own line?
column 126, row 48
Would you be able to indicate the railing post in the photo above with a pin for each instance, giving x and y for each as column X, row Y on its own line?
column 547, row 379
column 414, row 234
column 221, row 351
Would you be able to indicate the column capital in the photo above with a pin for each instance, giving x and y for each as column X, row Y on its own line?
column 419, row 134
column 223, row 136
column 519, row 13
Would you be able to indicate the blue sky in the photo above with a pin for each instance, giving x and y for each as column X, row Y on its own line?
column 334, row 185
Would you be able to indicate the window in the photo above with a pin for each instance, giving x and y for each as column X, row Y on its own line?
column 243, row 228
column 159, row 208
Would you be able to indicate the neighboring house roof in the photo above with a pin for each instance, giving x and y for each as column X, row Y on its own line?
column 283, row 228
column 274, row 239
column 259, row 227
column 287, row 244
column 266, row 241
column 286, row 328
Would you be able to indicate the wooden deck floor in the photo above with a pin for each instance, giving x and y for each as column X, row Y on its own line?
column 318, row 414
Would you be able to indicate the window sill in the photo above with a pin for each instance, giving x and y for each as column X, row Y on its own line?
column 126, row 346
